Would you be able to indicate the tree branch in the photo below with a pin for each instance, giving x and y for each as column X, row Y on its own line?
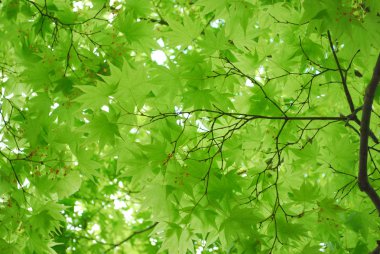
column 248, row 117
column 343, row 77
column 344, row 81
column 363, row 182
column 377, row 250
column 137, row 232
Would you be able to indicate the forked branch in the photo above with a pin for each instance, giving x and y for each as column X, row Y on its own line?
column 343, row 75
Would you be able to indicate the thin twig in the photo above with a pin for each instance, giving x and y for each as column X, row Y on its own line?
column 137, row 232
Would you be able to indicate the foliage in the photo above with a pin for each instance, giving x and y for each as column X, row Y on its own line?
column 243, row 138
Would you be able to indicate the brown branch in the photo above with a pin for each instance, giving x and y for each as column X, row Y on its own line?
column 44, row 13
column 137, row 232
column 363, row 182
column 343, row 76
column 286, row 22
column 248, row 117
column 377, row 250
column 158, row 21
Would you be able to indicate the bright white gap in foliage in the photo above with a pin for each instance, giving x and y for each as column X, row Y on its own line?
column 3, row 77
column 158, row 56
column 217, row 23
column 69, row 220
column 94, row 229
column 180, row 122
column 260, row 73
column 178, row 110
column 153, row 241
column 18, row 150
column 249, row 83
column 199, row 250
column 261, row 70
column 3, row 146
column 110, row 17
column 128, row 215
column 213, row 249
column 3, row 119
column 118, row 203
column 110, row 99
column 113, row 2
column 78, row 208
column 201, row 127
column 95, row 51
column 323, row 247
column 133, row 130
column 160, row 42
column 53, row 107
column 79, row 5
column 25, row 184
column 105, row 108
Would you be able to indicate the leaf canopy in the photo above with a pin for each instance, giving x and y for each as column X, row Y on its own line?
column 241, row 137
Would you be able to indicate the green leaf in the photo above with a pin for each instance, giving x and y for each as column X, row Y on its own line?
column 288, row 230
column 358, row 222
column 184, row 34
column 312, row 249
column 238, row 219
column 94, row 97
column 329, row 209
column 213, row 5
column 68, row 184
column 101, row 129
column 308, row 192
